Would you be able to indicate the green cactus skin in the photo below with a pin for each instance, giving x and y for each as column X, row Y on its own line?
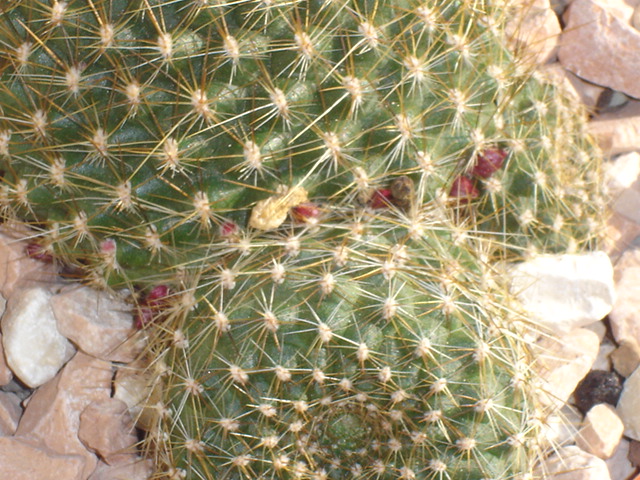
column 329, row 318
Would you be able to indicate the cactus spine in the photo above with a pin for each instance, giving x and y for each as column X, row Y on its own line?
column 321, row 194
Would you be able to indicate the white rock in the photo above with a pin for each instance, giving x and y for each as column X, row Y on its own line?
column 625, row 314
column 601, row 431
column 622, row 173
column 34, row 348
column 99, row 324
column 618, row 464
column 572, row 463
column 562, row 362
column 563, row 292
column 629, row 405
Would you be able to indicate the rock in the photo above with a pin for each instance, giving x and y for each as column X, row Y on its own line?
column 619, row 131
column 622, row 173
column 97, row 322
column 140, row 390
column 562, row 362
column 52, row 416
column 107, row 429
column 563, row 292
column 634, row 453
column 534, row 32
column 20, row 460
column 627, row 204
column 5, row 372
column 15, row 267
column 561, row 427
column 625, row 314
column 629, row 405
column 619, row 235
column 618, row 464
column 626, row 358
column 599, row 44
column 133, row 469
column 10, row 412
column 585, row 93
column 603, row 360
column 572, row 463
column 601, row 431
column 598, row 386
column 34, row 348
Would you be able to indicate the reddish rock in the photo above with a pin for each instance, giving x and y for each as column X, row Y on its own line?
column 20, row 460
column 97, row 323
column 600, row 45
column 52, row 416
column 107, row 429
column 15, row 266
column 10, row 412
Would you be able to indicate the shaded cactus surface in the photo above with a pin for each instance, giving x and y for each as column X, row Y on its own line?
column 315, row 197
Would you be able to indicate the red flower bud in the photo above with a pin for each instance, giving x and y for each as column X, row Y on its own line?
column 489, row 162
column 381, row 198
column 463, row 189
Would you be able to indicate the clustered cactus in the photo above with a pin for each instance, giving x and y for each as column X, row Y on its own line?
column 312, row 202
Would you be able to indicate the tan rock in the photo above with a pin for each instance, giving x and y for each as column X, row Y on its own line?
column 10, row 413
column 20, row 460
column 603, row 360
column 600, row 45
column 15, row 267
column 52, row 416
column 562, row 361
column 626, row 358
column 625, row 314
column 133, row 469
column 106, row 428
column 534, row 32
column 97, row 323
column 34, row 348
column 619, row 131
column 601, row 431
column 5, row 372
column 634, row 453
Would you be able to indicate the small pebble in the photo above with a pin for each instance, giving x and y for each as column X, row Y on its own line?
column 599, row 386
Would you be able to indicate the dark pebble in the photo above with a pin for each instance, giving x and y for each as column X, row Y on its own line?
column 599, row 386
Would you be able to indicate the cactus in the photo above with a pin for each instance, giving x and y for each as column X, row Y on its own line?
column 314, row 201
